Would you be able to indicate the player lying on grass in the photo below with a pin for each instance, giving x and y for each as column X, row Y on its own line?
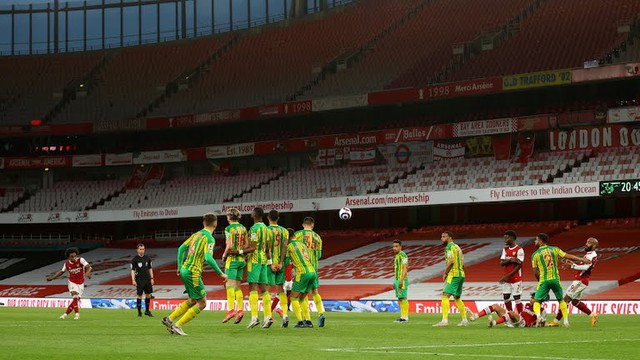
column 525, row 319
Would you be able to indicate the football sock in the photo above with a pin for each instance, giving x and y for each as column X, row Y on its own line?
column 565, row 311
column 460, row 306
column 139, row 305
column 284, row 303
column 274, row 302
column 295, row 305
column 507, row 305
column 266, row 304
column 485, row 311
column 304, row 308
column 75, row 304
column 583, row 307
column 253, row 301
column 559, row 314
column 501, row 319
column 147, row 302
column 69, row 308
column 231, row 297
column 536, row 308
column 318, row 301
column 191, row 313
column 182, row 308
column 519, row 306
column 404, row 309
column 445, row 308
column 239, row 300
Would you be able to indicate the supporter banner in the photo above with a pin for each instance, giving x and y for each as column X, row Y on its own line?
column 229, row 151
column 371, row 138
column 606, row 72
column 297, row 107
column 362, row 156
column 120, row 125
column 87, row 160
column 156, row 157
column 537, row 79
column 578, row 118
column 501, row 147
column 516, row 193
column 342, row 102
column 271, row 110
column 372, row 306
column 531, row 123
column 624, row 114
column 442, row 151
column 403, row 153
column 433, row 132
column 43, row 130
column 485, row 127
column 594, row 138
column 526, row 146
column 462, row 88
column 326, row 157
column 479, row 146
column 37, row 163
column 118, row 159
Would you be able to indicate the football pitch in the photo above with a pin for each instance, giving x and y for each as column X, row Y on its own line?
column 28, row 333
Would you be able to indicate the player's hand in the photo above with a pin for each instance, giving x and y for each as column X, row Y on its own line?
column 178, row 272
column 402, row 284
column 134, row 283
column 274, row 268
column 224, row 277
column 502, row 280
column 444, row 277
column 88, row 275
column 49, row 278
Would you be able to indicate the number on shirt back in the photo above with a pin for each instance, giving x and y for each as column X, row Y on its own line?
column 548, row 259
column 276, row 240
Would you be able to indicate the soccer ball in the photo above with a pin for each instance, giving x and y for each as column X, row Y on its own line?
column 345, row 213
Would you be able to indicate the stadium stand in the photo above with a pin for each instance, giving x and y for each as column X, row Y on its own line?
column 609, row 164
column 9, row 196
column 71, row 196
column 554, row 37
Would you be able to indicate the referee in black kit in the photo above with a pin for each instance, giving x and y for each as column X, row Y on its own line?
column 142, row 278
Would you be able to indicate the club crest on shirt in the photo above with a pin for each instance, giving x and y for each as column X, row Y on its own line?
column 139, row 264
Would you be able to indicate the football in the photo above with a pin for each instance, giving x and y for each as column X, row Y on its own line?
column 345, row 213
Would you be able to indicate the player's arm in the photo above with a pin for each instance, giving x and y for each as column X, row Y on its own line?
column 87, row 267
column 448, row 268
column 504, row 260
column 228, row 245
column 563, row 254
column 403, row 273
column 253, row 243
column 181, row 250
column 55, row 276
column 319, row 248
column 151, row 273
column 133, row 274
column 283, row 248
column 208, row 257
column 536, row 270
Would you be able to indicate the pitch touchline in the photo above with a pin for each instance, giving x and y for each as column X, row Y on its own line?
column 467, row 355
column 476, row 345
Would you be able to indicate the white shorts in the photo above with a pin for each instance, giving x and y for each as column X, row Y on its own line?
column 575, row 290
column 519, row 324
column 513, row 289
column 78, row 288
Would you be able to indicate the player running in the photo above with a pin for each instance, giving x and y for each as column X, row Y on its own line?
column 401, row 280
column 78, row 268
column 276, row 271
column 300, row 256
column 583, row 272
column 259, row 257
column 142, row 279
column 545, row 268
column 234, row 260
column 526, row 318
column 511, row 260
column 313, row 241
column 454, row 278
column 199, row 248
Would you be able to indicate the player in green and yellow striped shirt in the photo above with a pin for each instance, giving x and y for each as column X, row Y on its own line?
column 258, row 259
column 278, row 246
column 234, row 259
column 401, row 280
column 299, row 255
column 454, row 278
column 313, row 241
column 199, row 248
column 545, row 268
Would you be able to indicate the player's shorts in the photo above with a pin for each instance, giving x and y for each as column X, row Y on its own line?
column 257, row 273
column 193, row 284
column 275, row 277
column 77, row 288
column 234, row 269
column 303, row 283
column 316, row 282
column 575, row 290
column 144, row 288
column 542, row 291
column 519, row 324
column 453, row 285
column 514, row 289
column 401, row 293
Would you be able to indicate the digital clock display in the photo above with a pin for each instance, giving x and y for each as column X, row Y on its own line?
column 620, row 187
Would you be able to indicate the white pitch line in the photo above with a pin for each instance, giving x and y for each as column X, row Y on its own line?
column 468, row 355
column 477, row 345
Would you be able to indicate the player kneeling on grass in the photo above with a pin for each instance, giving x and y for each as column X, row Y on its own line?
column 200, row 248
column 527, row 318
column 77, row 267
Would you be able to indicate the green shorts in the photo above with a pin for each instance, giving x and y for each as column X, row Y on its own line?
column 454, row 286
column 542, row 291
column 303, row 283
column 234, row 269
column 193, row 284
column 401, row 293
column 275, row 277
column 257, row 273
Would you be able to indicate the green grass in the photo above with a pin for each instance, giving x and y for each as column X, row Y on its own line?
column 119, row 334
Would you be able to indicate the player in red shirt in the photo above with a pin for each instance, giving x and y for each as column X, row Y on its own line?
column 527, row 318
column 511, row 261
column 78, row 268
column 583, row 272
